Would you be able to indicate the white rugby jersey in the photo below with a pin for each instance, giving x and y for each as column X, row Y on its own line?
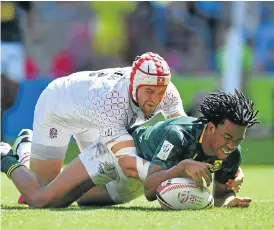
column 100, row 99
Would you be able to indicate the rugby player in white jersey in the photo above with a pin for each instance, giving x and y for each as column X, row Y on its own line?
column 93, row 104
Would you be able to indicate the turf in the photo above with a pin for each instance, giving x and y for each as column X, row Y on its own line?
column 140, row 214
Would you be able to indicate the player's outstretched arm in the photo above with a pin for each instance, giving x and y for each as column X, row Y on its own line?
column 70, row 184
column 224, row 197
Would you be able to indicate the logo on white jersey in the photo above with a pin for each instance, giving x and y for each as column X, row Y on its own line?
column 53, row 133
column 165, row 150
column 109, row 132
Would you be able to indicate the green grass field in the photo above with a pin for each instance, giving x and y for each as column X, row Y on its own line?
column 140, row 214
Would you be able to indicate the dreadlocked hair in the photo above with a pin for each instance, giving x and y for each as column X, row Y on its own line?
column 220, row 106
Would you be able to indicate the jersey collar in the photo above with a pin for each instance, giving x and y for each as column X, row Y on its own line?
column 134, row 106
column 202, row 135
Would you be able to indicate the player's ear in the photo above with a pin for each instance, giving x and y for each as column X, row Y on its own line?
column 211, row 128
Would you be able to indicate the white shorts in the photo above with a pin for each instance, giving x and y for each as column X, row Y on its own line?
column 51, row 134
column 101, row 164
column 125, row 191
column 97, row 159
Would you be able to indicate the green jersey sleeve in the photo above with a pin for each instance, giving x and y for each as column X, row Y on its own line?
column 170, row 150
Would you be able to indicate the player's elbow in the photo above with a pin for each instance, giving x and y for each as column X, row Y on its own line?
column 149, row 192
column 150, row 196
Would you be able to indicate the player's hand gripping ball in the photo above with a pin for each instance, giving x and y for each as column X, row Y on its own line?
column 182, row 194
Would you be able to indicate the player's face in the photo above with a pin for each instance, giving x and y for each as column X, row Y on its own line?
column 149, row 97
column 226, row 138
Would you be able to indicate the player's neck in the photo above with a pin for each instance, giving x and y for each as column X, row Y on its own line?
column 205, row 142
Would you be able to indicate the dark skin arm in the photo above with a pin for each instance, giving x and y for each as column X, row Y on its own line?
column 235, row 184
column 224, row 197
column 186, row 168
column 66, row 188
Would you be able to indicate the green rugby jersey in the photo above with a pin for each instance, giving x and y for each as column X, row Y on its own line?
column 176, row 139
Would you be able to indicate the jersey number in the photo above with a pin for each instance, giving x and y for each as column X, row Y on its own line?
column 103, row 74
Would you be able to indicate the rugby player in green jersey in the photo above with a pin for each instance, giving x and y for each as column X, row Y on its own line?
column 178, row 147
column 190, row 147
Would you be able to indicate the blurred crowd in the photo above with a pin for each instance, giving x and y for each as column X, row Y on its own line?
column 53, row 39
column 46, row 40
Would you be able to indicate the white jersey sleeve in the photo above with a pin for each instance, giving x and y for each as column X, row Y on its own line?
column 172, row 102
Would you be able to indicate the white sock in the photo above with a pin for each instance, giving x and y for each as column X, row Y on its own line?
column 24, row 152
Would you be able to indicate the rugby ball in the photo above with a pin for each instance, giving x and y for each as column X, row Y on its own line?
column 182, row 194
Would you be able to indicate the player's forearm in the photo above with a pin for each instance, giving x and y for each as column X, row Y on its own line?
column 27, row 184
column 221, row 201
column 23, row 179
column 221, row 194
column 154, row 180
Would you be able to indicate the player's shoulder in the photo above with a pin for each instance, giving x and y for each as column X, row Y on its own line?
column 120, row 78
column 107, row 73
column 171, row 88
column 238, row 150
column 114, row 81
column 81, row 74
column 172, row 94
column 185, row 122
column 116, row 73
column 189, row 127
column 171, row 129
column 235, row 156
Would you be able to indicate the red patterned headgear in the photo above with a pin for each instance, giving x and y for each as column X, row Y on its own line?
column 150, row 69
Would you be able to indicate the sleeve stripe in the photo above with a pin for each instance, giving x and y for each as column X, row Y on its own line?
column 10, row 170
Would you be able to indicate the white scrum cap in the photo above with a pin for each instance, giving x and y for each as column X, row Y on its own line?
column 150, row 69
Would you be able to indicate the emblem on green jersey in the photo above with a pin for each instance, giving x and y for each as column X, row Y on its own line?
column 216, row 165
column 165, row 150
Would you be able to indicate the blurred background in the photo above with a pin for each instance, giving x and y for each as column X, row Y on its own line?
column 208, row 45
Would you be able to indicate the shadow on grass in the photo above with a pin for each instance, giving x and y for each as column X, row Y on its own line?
column 91, row 208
